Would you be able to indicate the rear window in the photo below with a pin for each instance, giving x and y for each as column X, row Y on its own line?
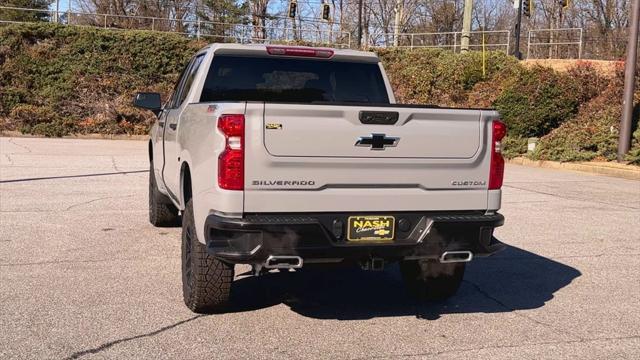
column 275, row 79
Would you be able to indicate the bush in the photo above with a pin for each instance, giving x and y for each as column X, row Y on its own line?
column 634, row 154
column 513, row 146
column 84, row 78
column 437, row 76
column 539, row 99
column 593, row 134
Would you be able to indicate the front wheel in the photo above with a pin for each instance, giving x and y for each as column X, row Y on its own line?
column 430, row 279
column 206, row 281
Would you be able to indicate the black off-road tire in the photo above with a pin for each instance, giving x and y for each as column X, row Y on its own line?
column 206, row 281
column 431, row 280
column 162, row 212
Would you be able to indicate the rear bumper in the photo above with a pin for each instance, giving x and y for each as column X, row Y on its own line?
column 321, row 237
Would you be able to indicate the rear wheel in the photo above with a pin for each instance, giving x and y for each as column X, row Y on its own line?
column 430, row 279
column 162, row 212
column 206, row 281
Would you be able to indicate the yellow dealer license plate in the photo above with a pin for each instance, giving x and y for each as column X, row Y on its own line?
column 371, row 228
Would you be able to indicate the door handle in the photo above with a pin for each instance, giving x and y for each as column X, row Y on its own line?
column 173, row 126
column 161, row 123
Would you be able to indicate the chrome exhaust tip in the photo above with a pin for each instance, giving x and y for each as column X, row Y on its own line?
column 456, row 256
column 283, row 262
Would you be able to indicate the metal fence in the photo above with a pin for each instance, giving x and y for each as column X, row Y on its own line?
column 279, row 30
column 490, row 40
column 567, row 43
column 555, row 43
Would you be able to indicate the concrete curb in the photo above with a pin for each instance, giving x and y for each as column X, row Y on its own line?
column 630, row 172
column 18, row 134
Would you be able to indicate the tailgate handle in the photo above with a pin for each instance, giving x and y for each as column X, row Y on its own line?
column 378, row 117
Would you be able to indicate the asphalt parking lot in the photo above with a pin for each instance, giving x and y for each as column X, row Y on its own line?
column 84, row 275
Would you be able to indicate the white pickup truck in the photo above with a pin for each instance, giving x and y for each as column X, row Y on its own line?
column 280, row 157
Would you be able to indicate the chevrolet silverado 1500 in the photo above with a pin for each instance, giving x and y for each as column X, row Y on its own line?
column 281, row 157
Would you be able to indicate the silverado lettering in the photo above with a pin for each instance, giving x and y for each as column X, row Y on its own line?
column 283, row 182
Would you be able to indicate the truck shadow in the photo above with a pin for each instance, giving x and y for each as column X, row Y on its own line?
column 514, row 279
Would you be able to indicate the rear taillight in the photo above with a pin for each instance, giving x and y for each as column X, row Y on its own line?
column 499, row 130
column 299, row 51
column 231, row 160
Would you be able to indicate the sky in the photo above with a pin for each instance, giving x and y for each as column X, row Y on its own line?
column 64, row 5
column 274, row 6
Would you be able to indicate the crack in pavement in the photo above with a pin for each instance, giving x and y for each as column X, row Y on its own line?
column 58, row 262
column 571, row 198
column 517, row 313
column 109, row 344
column 94, row 200
column 38, row 211
column 12, row 141
column 438, row 353
column 8, row 158
column 68, row 207
column 532, row 258
column 42, row 211
column 113, row 162
column 74, row 176
column 525, row 202
column 596, row 256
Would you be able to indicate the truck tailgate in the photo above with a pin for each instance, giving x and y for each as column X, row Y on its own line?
column 318, row 158
column 331, row 131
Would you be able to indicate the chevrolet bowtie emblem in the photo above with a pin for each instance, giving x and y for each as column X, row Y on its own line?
column 377, row 141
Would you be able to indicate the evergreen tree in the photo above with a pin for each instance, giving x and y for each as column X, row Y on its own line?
column 23, row 15
column 225, row 14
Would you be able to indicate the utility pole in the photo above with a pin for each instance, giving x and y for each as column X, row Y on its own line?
column 466, row 26
column 341, row 12
column 516, row 51
column 624, row 142
column 359, row 24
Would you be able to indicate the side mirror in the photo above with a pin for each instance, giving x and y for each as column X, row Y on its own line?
column 148, row 101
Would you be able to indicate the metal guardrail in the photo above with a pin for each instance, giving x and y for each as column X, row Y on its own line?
column 557, row 43
column 240, row 33
column 557, row 38
column 448, row 40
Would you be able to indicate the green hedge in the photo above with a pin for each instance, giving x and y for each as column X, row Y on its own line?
column 437, row 76
column 593, row 133
column 57, row 80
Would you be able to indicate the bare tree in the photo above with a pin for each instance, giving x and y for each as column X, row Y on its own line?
column 259, row 18
column 127, row 13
